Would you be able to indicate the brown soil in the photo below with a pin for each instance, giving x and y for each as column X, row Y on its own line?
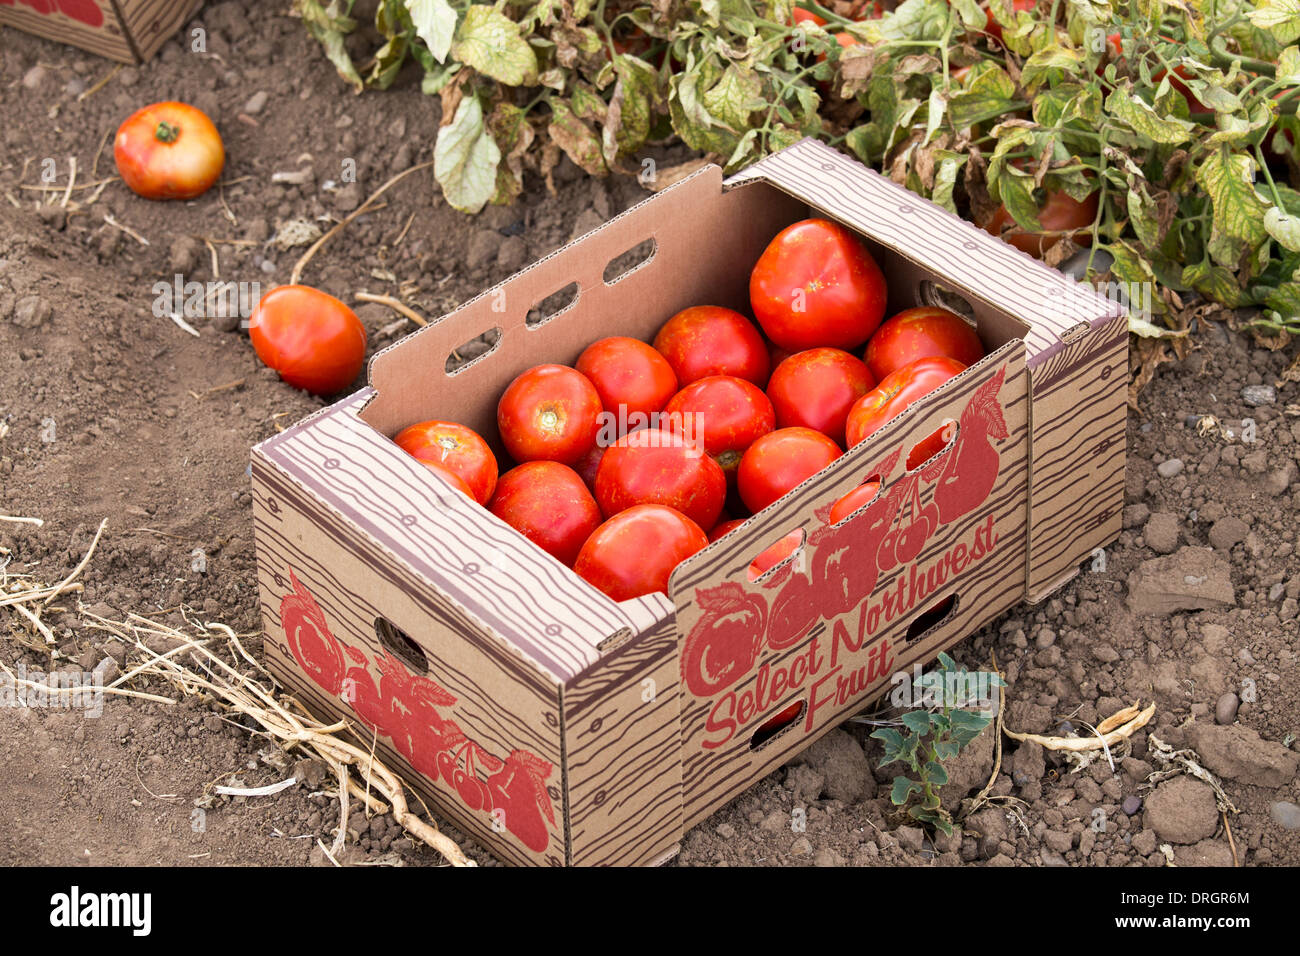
column 145, row 434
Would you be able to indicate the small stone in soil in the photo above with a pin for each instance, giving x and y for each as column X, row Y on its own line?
column 1131, row 805
column 1285, row 814
column 1257, row 395
column 1225, row 711
column 1170, row 468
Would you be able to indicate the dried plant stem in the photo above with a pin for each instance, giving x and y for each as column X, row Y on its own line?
column 395, row 304
column 1102, row 741
column 62, row 585
column 363, row 208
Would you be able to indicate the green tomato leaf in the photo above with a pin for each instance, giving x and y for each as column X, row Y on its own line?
column 935, row 774
column 945, row 178
column 465, row 158
column 1215, row 282
column 1228, row 179
column 1284, row 228
column 1160, row 128
column 1040, row 66
column 492, row 44
column 328, row 27
column 902, row 789
column 435, row 23
column 917, row 721
column 1279, row 17
column 1288, row 66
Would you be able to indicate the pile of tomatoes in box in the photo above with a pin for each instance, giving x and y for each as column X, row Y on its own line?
column 638, row 455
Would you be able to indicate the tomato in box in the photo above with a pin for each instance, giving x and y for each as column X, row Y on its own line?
column 550, row 413
column 710, row 340
column 657, row 466
column 630, row 377
column 816, row 388
column 921, row 333
column 635, row 552
column 549, row 505
column 451, row 446
column 781, row 460
column 726, row 414
column 894, row 395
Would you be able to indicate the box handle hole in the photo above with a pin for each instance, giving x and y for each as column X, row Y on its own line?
column 782, row 721
column 930, row 448
column 932, row 293
column 469, row 352
column 397, row 642
column 929, row 620
column 788, row 549
column 628, row 262
column 857, row 499
column 555, row 303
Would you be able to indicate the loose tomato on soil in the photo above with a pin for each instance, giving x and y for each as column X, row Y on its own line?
column 895, row 394
column 548, row 504
column 630, row 377
column 725, row 414
column 779, row 461
column 1059, row 215
column 635, row 552
column 456, row 448
column 169, row 150
column 311, row 338
column 551, row 413
column 816, row 388
column 817, row 285
column 659, row 467
column 919, row 333
column 711, row 340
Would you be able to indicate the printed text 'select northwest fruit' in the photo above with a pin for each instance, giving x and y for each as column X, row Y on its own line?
column 456, row 448
column 547, row 503
column 655, row 466
column 311, row 338
column 549, row 413
column 892, row 397
column 779, row 461
column 816, row 388
column 169, row 151
column 725, row 413
column 816, row 284
column 710, row 340
column 630, row 377
column 634, row 552
column 920, row 333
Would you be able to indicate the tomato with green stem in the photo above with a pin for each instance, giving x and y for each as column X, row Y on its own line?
column 169, row 150
column 725, row 414
column 456, row 448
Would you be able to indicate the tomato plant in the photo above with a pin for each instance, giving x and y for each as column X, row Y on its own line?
column 726, row 414
column 456, row 448
column 779, row 461
column 630, row 376
column 1058, row 215
column 919, row 333
column 816, row 388
column 312, row 339
column 710, row 340
column 894, row 395
column 657, row 466
column 817, row 285
column 169, row 150
column 550, row 412
column 635, row 552
column 548, row 504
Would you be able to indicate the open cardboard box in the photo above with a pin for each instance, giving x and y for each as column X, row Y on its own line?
column 127, row 30
column 560, row 727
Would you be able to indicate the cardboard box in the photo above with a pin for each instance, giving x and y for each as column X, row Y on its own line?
column 559, row 727
column 127, row 30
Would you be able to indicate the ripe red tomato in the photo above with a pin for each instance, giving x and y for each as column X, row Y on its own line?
column 817, row 388
column 453, row 479
column 893, row 396
column 549, row 413
column 169, row 151
column 588, row 464
column 654, row 466
column 800, row 15
column 724, row 527
column 919, row 333
column 771, row 557
column 634, row 552
column 710, row 340
column 456, row 448
column 549, row 505
column 854, row 500
column 817, row 285
column 779, row 461
column 311, row 338
column 630, row 377
column 1059, row 215
column 724, row 413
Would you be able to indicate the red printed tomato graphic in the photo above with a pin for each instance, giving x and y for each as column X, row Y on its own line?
column 518, row 793
column 309, row 637
column 83, row 11
column 726, row 641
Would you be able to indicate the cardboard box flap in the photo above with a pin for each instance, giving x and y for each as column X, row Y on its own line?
column 982, row 266
column 497, row 577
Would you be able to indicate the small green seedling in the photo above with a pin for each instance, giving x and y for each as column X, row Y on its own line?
column 936, row 731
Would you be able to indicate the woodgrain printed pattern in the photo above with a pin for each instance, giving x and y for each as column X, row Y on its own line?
column 151, row 23
column 1077, row 478
column 106, row 40
column 845, row 645
column 985, row 266
column 623, row 746
column 495, row 706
